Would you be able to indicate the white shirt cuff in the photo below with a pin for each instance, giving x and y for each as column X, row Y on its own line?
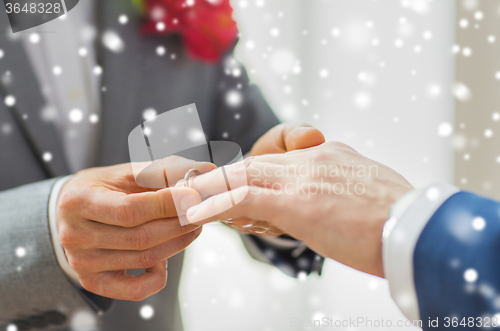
column 61, row 256
column 409, row 216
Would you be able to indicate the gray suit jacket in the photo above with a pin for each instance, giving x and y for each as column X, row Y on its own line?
column 34, row 291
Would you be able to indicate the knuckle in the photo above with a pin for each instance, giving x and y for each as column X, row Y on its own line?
column 76, row 263
column 67, row 236
column 89, row 284
column 140, row 239
column 126, row 213
column 172, row 158
column 147, row 259
column 248, row 161
column 68, row 202
column 138, row 292
column 182, row 230
column 187, row 239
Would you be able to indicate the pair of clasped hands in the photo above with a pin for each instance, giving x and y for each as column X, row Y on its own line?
column 108, row 224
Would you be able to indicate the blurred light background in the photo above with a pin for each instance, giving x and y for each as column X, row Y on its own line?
column 411, row 83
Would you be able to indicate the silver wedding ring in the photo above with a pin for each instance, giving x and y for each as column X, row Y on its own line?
column 189, row 174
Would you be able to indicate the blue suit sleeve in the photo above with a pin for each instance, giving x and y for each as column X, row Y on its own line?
column 457, row 264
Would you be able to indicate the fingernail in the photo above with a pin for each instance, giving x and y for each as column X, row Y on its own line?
column 205, row 167
column 191, row 211
column 189, row 201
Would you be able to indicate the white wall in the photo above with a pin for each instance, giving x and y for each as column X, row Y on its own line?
column 385, row 101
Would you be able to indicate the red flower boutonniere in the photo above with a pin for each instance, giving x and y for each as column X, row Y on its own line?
column 206, row 26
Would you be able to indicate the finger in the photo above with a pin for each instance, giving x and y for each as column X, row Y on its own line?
column 236, row 175
column 273, row 141
column 253, row 202
column 131, row 210
column 303, row 137
column 145, row 236
column 162, row 173
column 113, row 260
column 176, row 167
column 256, row 227
column 121, row 286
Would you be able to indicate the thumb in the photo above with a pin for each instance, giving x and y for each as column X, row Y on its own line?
column 303, row 137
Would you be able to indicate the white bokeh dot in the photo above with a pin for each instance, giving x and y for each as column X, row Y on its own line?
column 445, row 129
column 466, row 52
column 93, row 118
column 160, row 26
column 47, row 156
column 434, row 90
column 196, row 135
column 362, row 99
column 97, row 70
column 113, row 41
column 57, row 70
column 10, row 101
column 149, row 114
column 160, row 50
column 75, row 115
column 20, row 252
column 478, row 223
column 462, row 92
column 324, row 73
column 11, row 327
column 234, row 98
column 123, row 19
column 488, row 133
column 82, row 51
column 470, row 275
column 34, row 38
column 433, row 193
column 275, row 32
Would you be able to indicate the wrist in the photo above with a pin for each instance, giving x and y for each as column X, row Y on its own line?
column 53, row 218
column 392, row 197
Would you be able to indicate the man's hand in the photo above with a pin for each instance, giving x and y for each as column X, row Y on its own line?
column 107, row 224
column 280, row 139
column 330, row 197
column 287, row 137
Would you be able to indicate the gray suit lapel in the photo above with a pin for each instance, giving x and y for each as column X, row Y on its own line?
column 19, row 80
column 137, row 79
